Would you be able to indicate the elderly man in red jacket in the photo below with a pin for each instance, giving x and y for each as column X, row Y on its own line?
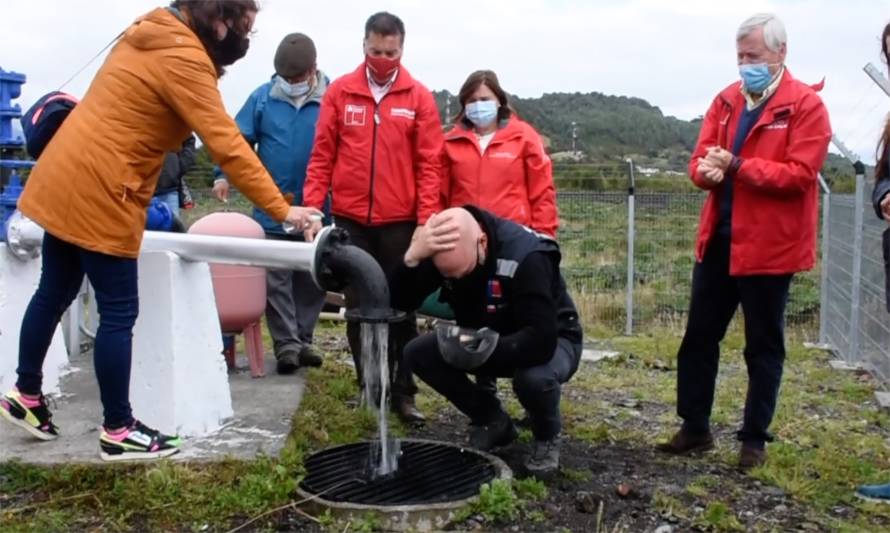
column 377, row 147
column 761, row 146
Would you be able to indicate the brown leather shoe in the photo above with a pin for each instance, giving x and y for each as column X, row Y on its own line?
column 683, row 443
column 751, row 457
column 404, row 408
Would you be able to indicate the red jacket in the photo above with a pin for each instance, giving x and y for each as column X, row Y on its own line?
column 380, row 161
column 775, row 190
column 513, row 178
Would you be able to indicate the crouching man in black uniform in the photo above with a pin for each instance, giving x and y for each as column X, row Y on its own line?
column 498, row 275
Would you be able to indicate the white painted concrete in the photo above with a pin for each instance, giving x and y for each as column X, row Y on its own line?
column 18, row 281
column 179, row 382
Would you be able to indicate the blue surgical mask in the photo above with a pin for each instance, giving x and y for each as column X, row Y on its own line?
column 482, row 113
column 294, row 90
column 755, row 77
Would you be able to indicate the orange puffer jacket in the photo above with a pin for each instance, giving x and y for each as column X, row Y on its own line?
column 96, row 177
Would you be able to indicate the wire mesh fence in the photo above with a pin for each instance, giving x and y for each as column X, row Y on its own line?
column 856, row 325
column 598, row 218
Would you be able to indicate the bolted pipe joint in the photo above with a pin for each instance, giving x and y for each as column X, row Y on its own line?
column 339, row 264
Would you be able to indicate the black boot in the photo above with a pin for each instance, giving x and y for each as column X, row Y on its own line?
column 498, row 432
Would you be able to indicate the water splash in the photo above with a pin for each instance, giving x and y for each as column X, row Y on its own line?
column 375, row 396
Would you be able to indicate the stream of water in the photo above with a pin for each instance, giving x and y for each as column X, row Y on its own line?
column 375, row 396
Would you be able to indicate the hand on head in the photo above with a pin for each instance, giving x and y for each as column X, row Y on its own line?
column 440, row 233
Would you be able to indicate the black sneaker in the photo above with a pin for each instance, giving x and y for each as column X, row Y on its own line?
column 544, row 459
column 288, row 360
column 310, row 356
column 37, row 420
column 500, row 432
column 137, row 442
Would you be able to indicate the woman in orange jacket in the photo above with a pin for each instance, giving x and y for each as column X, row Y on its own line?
column 494, row 160
column 94, row 180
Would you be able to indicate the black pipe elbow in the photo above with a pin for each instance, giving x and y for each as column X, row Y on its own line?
column 339, row 264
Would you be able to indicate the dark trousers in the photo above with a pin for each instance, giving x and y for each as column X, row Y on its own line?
column 387, row 244
column 715, row 297
column 537, row 387
column 115, row 282
column 293, row 303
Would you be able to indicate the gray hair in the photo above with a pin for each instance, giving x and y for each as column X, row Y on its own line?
column 773, row 30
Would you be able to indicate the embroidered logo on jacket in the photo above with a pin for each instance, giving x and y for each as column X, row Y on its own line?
column 402, row 112
column 778, row 125
column 355, row 115
column 502, row 155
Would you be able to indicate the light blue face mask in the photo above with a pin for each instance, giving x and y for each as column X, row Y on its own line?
column 482, row 113
column 294, row 90
column 755, row 77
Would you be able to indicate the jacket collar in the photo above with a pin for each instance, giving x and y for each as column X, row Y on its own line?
column 356, row 82
column 787, row 93
column 314, row 96
column 507, row 130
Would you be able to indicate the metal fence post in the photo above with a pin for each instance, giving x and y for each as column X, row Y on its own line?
column 859, row 205
column 823, row 291
column 629, row 324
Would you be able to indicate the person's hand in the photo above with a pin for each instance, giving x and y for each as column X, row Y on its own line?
column 708, row 173
column 719, row 158
column 302, row 219
column 221, row 190
column 440, row 233
column 314, row 227
column 885, row 207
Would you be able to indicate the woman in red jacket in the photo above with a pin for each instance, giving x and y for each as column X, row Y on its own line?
column 494, row 160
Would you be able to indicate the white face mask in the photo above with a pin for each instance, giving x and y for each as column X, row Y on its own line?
column 294, row 90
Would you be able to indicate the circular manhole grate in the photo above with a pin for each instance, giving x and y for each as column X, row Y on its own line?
column 429, row 473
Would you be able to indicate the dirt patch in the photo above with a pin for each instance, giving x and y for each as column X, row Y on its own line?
column 628, row 488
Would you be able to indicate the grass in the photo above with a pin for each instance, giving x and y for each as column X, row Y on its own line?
column 830, row 437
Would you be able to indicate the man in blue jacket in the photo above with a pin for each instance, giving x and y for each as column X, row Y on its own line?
column 279, row 120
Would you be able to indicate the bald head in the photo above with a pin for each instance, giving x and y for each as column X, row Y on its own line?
column 469, row 250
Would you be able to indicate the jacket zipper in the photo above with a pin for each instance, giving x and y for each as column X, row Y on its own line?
column 373, row 159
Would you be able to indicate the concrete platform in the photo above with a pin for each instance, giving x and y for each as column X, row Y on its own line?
column 263, row 409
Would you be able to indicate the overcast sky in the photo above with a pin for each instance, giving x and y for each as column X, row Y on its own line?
column 676, row 54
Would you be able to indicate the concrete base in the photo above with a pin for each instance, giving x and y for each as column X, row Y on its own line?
column 18, row 281
column 818, row 346
column 883, row 399
column 593, row 356
column 839, row 364
column 262, row 419
column 178, row 379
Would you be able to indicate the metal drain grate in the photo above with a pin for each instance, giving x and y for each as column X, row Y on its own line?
column 428, row 473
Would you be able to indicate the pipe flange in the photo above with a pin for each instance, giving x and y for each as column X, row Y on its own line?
column 329, row 238
column 23, row 237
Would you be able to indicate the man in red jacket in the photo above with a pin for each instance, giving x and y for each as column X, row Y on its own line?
column 377, row 147
column 761, row 146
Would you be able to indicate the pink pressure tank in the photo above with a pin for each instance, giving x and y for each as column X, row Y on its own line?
column 240, row 291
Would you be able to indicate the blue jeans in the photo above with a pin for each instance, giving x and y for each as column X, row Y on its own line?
column 115, row 282
column 172, row 200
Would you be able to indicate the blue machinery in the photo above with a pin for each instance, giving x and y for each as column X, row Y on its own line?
column 10, row 144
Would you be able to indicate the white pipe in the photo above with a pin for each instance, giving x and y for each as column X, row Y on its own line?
column 232, row 250
column 25, row 238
